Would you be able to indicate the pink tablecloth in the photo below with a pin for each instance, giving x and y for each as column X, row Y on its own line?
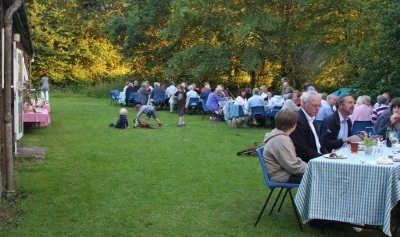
column 42, row 118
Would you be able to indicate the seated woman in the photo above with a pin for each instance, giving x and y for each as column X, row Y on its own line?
column 213, row 101
column 390, row 118
column 363, row 110
column 241, row 99
column 279, row 152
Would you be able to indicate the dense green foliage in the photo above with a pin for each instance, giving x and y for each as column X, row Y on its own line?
column 101, row 181
column 69, row 45
column 331, row 44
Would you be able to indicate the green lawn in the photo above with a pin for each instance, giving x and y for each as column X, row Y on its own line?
column 101, row 181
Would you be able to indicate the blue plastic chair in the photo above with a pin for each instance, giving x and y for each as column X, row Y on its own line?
column 193, row 104
column 360, row 125
column 205, row 111
column 258, row 112
column 272, row 112
column 134, row 98
column 114, row 94
column 159, row 100
column 272, row 185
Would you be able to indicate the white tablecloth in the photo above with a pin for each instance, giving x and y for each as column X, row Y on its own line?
column 122, row 98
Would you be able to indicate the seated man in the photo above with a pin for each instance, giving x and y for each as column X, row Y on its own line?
column 306, row 137
column 149, row 111
column 255, row 100
column 280, row 157
column 336, row 128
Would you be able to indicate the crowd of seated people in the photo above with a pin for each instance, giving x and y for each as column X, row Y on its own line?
column 214, row 99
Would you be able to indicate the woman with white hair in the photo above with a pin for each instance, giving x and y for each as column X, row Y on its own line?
column 362, row 110
column 213, row 101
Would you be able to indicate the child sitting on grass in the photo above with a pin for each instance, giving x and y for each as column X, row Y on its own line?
column 122, row 122
column 149, row 111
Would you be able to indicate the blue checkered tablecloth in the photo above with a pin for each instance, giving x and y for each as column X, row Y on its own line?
column 350, row 190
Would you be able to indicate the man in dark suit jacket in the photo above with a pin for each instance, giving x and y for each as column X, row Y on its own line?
column 336, row 128
column 306, row 139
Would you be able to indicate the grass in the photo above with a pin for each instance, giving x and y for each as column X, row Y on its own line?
column 101, row 181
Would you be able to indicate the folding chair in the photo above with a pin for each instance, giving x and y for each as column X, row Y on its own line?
column 133, row 99
column 360, row 125
column 257, row 112
column 114, row 94
column 193, row 104
column 271, row 116
column 205, row 111
column 272, row 185
column 159, row 100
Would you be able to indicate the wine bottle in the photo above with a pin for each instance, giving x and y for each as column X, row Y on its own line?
column 388, row 141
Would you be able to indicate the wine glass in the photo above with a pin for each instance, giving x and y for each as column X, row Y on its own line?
column 393, row 138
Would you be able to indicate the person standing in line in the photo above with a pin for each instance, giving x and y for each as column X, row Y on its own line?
column 285, row 84
column 44, row 90
column 181, row 103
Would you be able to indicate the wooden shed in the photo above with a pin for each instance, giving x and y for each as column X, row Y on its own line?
column 16, row 57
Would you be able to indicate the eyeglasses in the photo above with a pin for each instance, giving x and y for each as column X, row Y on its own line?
column 316, row 106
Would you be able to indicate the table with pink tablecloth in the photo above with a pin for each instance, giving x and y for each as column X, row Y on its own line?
column 41, row 118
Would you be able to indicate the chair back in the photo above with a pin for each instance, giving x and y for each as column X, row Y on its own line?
column 319, row 122
column 114, row 94
column 159, row 98
column 133, row 96
column 260, row 156
column 268, row 182
column 272, row 112
column 371, row 130
column 193, row 101
column 204, row 101
column 258, row 112
column 360, row 125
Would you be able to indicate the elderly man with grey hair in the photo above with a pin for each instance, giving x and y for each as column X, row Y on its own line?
column 306, row 137
column 255, row 100
column 157, row 93
column 382, row 106
column 327, row 107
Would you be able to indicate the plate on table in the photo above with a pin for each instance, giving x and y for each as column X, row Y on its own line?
column 396, row 159
column 338, row 156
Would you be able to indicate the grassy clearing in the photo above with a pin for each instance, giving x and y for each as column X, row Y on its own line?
column 101, row 181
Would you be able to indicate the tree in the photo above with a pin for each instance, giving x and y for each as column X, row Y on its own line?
column 72, row 49
column 379, row 60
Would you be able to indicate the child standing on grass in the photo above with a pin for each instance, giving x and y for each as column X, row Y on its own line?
column 122, row 122
column 181, row 103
